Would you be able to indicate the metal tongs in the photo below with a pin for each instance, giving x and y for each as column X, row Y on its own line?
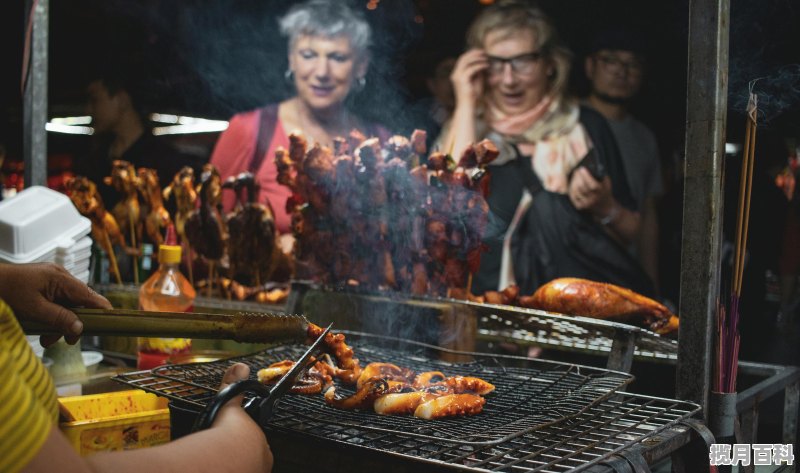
column 263, row 404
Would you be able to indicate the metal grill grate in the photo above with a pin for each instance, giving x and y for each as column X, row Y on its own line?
column 543, row 417
column 532, row 326
column 572, row 332
column 525, row 398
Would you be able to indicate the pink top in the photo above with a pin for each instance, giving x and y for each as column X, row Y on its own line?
column 234, row 151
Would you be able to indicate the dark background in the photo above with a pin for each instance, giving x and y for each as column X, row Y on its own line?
column 213, row 58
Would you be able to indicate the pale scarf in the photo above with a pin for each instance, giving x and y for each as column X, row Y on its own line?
column 555, row 142
column 549, row 133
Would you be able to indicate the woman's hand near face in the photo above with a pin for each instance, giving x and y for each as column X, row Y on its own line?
column 467, row 77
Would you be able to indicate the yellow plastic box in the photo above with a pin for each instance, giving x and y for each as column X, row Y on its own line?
column 123, row 420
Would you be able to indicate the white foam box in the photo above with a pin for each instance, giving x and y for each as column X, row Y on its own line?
column 37, row 221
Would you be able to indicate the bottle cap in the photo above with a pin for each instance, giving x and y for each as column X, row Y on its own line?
column 169, row 254
column 171, row 238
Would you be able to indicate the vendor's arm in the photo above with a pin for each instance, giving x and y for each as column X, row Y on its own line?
column 234, row 443
column 40, row 291
column 589, row 194
column 467, row 79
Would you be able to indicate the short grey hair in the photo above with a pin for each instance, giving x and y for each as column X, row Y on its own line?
column 329, row 19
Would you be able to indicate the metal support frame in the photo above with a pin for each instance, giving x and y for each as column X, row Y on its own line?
column 707, row 88
column 35, row 94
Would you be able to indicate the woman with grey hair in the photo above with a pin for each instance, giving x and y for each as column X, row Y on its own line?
column 328, row 60
column 510, row 87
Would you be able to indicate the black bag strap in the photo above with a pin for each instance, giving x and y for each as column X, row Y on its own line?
column 268, row 118
column 526, row 174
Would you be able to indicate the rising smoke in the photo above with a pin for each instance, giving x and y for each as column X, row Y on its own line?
column 761, row 33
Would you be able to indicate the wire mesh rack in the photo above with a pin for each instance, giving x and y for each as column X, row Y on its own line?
column 582, row 334
column 525, row 399
column 509, row 323
column 588, row 420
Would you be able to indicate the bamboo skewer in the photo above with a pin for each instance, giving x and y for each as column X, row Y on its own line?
column 112, row 258
column 134, row 245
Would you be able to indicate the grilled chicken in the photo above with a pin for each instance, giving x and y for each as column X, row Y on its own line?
column 586, row 298
column 105, row 230
column 205, row 228
column 182, row 188
column 124, row 180
column 253, row 251
column 157, row 219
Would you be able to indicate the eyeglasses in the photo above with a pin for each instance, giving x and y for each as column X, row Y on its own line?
column 520, row 64
column 613, row 62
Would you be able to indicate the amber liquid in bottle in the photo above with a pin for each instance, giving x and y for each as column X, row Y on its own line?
column 166, row 290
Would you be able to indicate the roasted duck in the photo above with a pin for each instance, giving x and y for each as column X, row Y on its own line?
column 586, row 298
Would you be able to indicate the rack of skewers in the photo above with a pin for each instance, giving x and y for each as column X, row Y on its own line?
column 365, row 214
column 203, row 230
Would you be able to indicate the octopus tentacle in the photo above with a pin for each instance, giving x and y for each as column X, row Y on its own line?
column 428, row 378
column 362, row 399
column 469, row 384
column 349, row 368
column 387, row 371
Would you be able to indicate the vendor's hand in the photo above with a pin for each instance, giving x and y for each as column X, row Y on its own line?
column 40, row 291
column 235, row 372
column 587, row 193
column 467, row 76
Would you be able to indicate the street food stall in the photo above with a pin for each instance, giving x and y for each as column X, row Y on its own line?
column 540, row 414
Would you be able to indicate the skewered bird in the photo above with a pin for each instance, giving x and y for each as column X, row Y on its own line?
column 205, row 228
column 157, row 219
column 253, row 250
column 182, row 188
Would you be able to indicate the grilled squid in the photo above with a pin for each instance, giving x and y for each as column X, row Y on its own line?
column 449, row 406
column 273, row 372
column 407, row 400
column 458, row 384
column 315, row 380
column 469, row 384
column 428, row 378
column 387, row 371
column 348, row 368
column 363, row 398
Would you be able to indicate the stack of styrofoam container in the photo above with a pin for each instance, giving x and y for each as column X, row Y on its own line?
column 41, row 225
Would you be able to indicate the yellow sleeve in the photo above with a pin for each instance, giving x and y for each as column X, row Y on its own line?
column 28, row 405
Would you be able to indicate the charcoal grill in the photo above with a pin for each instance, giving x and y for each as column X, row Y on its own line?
column 543, row 416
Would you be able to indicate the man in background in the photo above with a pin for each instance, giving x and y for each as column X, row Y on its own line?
column 122, row 131
column 615, row 69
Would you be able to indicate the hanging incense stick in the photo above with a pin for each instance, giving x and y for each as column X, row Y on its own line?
column 728, row 338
